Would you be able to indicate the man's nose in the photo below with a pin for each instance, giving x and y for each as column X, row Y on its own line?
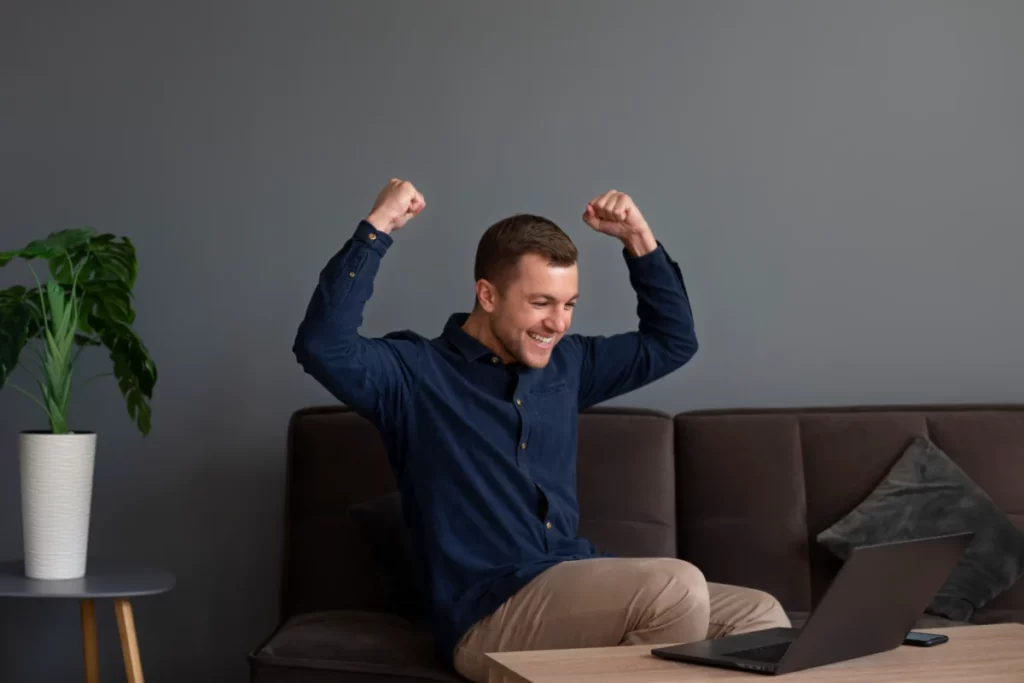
column 559, row 322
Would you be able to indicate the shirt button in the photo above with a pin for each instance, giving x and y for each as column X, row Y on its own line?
column 352, row 274
column 494, row 359
column 373, row 236
column 548, row 525
column 523, row 445
column 518, row 402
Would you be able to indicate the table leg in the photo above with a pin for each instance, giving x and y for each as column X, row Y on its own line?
column 494, row 675
column 89, row 649
column 129, row 641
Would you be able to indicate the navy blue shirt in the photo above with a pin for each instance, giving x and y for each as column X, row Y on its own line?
column 484, row 452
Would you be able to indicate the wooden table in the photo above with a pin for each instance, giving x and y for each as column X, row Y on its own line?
column 979, row 654
column 102, row 580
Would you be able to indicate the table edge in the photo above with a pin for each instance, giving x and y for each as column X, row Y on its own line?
column 948, row 630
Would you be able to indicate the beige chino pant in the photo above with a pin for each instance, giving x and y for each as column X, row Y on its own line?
column 603, row 602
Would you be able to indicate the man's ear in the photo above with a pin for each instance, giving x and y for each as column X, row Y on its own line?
column 486, row 295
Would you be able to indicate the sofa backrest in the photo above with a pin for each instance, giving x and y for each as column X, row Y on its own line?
column 741, row 494
column 625, row 488
column 335, row 459
column 756, row 487
column 625, row 482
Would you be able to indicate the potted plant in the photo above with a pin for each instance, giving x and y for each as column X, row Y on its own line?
column 86, row 301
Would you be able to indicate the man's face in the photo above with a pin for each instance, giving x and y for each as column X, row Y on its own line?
column 535, row 309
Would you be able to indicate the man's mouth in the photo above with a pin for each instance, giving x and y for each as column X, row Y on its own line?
column 543, row 341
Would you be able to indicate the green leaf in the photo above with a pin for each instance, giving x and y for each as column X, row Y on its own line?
column 59, row 338
column 101, row 258
column 134, row 369
column 18, row 323
column 55, row 299
column 107, row 300
column 55, row 245
column 87, row 303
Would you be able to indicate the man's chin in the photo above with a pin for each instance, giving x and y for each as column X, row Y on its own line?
column 535, row 360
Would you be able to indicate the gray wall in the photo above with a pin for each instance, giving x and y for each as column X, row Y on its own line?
column 840, row 181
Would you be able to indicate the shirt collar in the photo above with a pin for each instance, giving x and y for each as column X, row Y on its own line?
column 468, row 346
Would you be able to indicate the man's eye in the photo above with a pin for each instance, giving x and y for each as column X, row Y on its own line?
column 571, row 304
column 539, row 304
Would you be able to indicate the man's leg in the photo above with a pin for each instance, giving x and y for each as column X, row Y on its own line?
column 593, row 603
column 741, row 610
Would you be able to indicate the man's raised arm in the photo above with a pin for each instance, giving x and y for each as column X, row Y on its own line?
column 367, row 374
column 665, row 339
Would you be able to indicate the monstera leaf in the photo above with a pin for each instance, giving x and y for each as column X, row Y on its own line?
column 91, row 290
column 20, row 321
column 134, row 370
column 99, row 258
column 55, row 245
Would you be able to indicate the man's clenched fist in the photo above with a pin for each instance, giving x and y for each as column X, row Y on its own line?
column 615, row 214
column 396, row 204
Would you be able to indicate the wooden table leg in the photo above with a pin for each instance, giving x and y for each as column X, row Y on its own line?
column 494, row 674
column 89, row 650
column 129, row 641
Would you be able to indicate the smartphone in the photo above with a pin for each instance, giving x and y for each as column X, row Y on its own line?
column 924, row 639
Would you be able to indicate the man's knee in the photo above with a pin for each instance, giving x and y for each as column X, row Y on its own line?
column 686, row 574
column 766, row 610
column 677, row 585
column 774, row 614
column 671, row 604
column 737, row 610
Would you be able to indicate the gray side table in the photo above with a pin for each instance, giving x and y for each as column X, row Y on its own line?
column 102, row 580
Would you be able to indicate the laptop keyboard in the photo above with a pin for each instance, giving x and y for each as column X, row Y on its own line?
column 771, row 654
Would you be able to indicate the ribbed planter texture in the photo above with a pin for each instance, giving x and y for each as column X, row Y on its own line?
column 56, row 499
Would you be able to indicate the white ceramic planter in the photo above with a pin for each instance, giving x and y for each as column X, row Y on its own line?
column 56, row 498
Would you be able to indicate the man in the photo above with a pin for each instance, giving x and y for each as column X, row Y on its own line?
column 480, row 428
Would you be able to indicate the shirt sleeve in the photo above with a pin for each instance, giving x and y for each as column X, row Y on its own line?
column 371, row 375
column 665, row 340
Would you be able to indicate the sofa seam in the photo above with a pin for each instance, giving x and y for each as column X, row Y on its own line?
column 809, row 586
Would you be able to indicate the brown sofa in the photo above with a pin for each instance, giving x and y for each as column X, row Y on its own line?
column 740, row 493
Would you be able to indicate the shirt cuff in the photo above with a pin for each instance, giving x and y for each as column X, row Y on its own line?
column 372, row 237
column 651, row 259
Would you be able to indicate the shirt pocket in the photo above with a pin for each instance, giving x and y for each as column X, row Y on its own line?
column 553, row 412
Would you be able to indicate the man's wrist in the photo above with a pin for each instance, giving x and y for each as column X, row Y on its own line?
column 380, row 223
column 640, row 243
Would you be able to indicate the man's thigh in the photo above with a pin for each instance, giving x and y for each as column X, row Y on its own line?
column 579, row 603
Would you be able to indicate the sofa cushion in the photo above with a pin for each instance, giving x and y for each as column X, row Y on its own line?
column 381, row 526
column 742, row 509
column 336, row 458
column 347, row 645
column 756, row 486
column 625, row 481
column 926, row 494
column 798, row 619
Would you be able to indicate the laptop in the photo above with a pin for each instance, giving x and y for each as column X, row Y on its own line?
column 875, row 600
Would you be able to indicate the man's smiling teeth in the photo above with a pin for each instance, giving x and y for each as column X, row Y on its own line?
column 538, row 338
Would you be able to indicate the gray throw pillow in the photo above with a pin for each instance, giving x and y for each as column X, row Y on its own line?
column 926, row 494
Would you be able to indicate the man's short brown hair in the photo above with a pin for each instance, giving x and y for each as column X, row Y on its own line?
column 506, row 241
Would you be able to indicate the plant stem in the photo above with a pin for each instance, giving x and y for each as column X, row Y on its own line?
column 74, row 283
column 31, row 397
column 94, row 377
column 29, row 371
column 42, row 301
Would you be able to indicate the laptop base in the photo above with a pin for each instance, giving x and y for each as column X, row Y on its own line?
column 721, row 652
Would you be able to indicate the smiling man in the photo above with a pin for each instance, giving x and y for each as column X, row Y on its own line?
column 480, row 429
